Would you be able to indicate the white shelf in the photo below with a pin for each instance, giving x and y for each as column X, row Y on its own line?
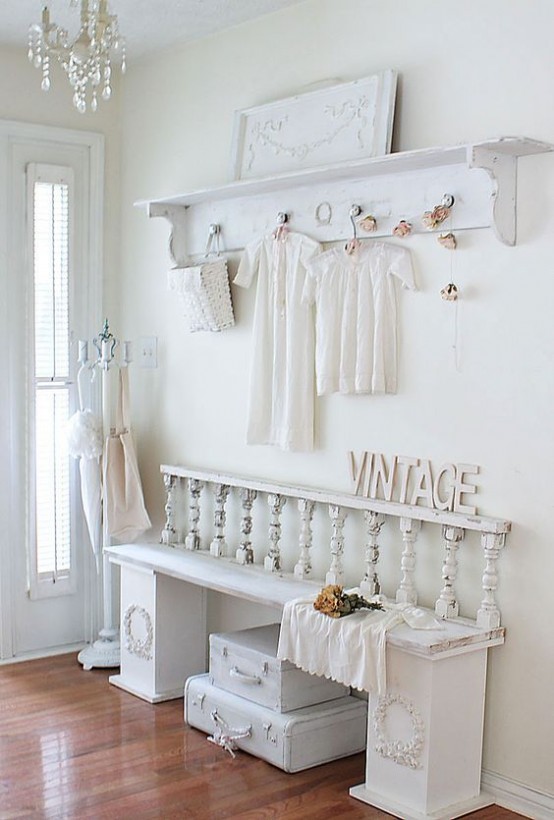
column 399, row 163
column 481, row 176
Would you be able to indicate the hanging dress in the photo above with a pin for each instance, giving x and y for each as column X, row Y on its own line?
column 356, row 316
column 281, row 399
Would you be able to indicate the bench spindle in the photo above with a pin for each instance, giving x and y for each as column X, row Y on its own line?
column 192, row 541
column 488, row 615
column 336, row 571
column 169, row 533
column 245, row 553
column 218, row 547
column 272, row 561
column 303, row 566
column 446, row 605
column 370, row 584
column 406, row 592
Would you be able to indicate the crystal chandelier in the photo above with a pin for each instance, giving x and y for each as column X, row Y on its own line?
column 87, row 60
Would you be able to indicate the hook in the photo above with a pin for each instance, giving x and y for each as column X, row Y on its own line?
column 212, row 245
column 282, row 218
column 355, row 211
column 447, row 201
column 353, row 244
column 323, row 213
column 105, row 343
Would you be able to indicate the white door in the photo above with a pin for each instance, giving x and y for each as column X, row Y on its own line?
column 52, row 293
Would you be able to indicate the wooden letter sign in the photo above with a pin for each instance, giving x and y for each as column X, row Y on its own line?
column 410, row 480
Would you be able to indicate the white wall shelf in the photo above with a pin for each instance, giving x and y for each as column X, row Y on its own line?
column 480, row 176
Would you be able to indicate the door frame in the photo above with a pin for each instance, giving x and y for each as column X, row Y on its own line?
column 13, row 135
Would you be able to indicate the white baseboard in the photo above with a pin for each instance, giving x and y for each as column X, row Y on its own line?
column 517, row 797
column 43, row 653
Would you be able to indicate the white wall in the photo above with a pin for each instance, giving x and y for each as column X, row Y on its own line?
column 469, row 71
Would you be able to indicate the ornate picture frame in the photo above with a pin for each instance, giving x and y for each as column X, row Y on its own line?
column 338, row 123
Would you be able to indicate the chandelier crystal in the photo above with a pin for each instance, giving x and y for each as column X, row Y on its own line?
column 87, row 60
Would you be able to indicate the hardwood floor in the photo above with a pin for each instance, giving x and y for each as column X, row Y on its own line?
column 72, row 746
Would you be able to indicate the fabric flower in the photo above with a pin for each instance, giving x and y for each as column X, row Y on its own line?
column 402, row 229
column 450, row 292
column 432, row 219
column 368, row 223
column 448, row 240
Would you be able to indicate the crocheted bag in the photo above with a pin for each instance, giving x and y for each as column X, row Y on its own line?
column 205, row 293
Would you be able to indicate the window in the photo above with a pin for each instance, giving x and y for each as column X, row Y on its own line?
column 50, row 192
column 48, row 586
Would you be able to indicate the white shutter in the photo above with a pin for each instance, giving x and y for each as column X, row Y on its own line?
column 50, row 192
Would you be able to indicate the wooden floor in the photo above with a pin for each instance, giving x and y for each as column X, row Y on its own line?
column 73, row 746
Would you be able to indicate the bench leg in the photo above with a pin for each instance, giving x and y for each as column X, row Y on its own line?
column 425, row 737
column 163, row 634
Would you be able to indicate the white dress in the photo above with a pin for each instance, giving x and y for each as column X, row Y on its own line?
column 356, row 316
column 281, row 401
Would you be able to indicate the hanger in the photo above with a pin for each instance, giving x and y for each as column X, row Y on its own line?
column 353, row 244
column 282, row 229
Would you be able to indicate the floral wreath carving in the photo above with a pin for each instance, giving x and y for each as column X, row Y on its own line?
column 265, row 133
column 142, row 648
column 405, row 753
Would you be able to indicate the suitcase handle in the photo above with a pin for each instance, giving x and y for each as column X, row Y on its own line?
column 236, row 673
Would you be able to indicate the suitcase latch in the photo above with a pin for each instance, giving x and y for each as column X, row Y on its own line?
column 271, row 738
column 199, row 700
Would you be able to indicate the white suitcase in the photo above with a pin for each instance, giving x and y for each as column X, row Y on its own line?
column 246, row 664
column 292, row 742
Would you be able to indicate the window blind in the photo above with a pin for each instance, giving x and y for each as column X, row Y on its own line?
column 50, row 193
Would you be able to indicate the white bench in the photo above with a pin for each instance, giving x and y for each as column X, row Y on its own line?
column 425, row 734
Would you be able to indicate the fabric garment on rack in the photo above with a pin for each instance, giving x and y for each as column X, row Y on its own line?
column 126, row 515
column 356, row 316
column 281, row 401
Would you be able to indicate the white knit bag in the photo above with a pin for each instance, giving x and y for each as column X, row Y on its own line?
column 206, row 294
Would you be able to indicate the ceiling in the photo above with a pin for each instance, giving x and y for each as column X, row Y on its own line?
column 147, row 25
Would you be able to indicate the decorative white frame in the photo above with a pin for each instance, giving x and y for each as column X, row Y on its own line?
column 339, row 123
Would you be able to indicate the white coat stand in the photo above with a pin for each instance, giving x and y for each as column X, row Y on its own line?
column 105, row 652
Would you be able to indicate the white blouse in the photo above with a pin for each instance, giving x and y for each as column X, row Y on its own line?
column 356, row 317
column 281, row 401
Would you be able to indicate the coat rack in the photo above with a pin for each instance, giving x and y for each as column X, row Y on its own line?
column 105, row 652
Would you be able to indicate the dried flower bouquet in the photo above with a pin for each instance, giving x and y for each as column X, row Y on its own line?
column 333, row 601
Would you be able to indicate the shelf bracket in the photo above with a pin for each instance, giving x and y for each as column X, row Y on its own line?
column 176, row 215
column 502, row 169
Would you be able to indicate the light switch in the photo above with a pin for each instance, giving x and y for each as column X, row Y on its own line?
column 148, row 351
